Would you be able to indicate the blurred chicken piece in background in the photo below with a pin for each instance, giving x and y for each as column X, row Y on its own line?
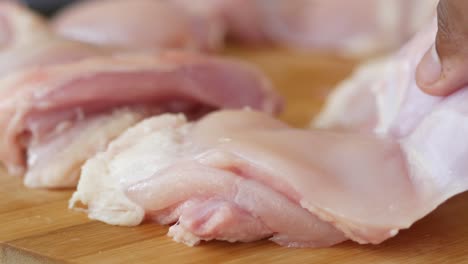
column 140, row 24
column 353, row 28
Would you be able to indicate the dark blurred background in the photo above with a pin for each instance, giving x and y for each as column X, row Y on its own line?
column 48, row 7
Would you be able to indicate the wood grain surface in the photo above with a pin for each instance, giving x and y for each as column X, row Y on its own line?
column 37, row 227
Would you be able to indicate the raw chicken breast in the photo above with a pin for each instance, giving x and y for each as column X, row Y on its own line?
column 242, row 175
column 26, row 41
column 55, row 162
column 17, row 25
column 353, row 27
column 140, row 24
column 355, row 98
column 239, row 169
column 242, row 19
column 164, row 164
column 383, row 94
column 71, row 108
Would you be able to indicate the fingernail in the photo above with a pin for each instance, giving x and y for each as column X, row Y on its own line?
column 430, row 68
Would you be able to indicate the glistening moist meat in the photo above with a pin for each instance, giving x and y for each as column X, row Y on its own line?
column 38, row 102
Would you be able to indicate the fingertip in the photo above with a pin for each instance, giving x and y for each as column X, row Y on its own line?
column 443, row 87
column 429, row 74
column 435, row 90
column 429, row 70
column 438, row 88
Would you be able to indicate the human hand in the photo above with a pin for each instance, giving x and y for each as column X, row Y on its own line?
column 444, row 68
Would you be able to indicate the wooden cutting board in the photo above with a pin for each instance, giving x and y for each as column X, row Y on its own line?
column 37, row 227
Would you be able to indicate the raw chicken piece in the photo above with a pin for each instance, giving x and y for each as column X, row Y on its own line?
column 56, row 161
column 45, row 110
column 353, row 27
column 383, row 94
column 356, row 27
column 19, row 25
column 352, row 106
column 140, row 24
column 170, row 157
column 240, row 176
column 26, row 41
column 241, row 19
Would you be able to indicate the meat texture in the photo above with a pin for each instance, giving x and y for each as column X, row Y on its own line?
column 62, row 114
column 171, row 171
column 140, row 24
column 242, row 175
column 384, row 94
column 63, row 100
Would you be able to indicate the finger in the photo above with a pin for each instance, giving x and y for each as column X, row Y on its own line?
column 444, row 67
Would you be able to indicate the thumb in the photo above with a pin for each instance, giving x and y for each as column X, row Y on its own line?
column 444, row 67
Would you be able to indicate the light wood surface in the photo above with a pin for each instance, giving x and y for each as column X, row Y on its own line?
column 37, row 227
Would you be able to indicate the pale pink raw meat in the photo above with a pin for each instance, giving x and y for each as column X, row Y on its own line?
column 55, row 161
column 19, row 26
column 245, row 159
column 140, row 24
column 353, row 27
column 387, row 88
column 241, row 19
column 40, row 106
column 26, row 41
column 242, row 175
column 246, row 206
